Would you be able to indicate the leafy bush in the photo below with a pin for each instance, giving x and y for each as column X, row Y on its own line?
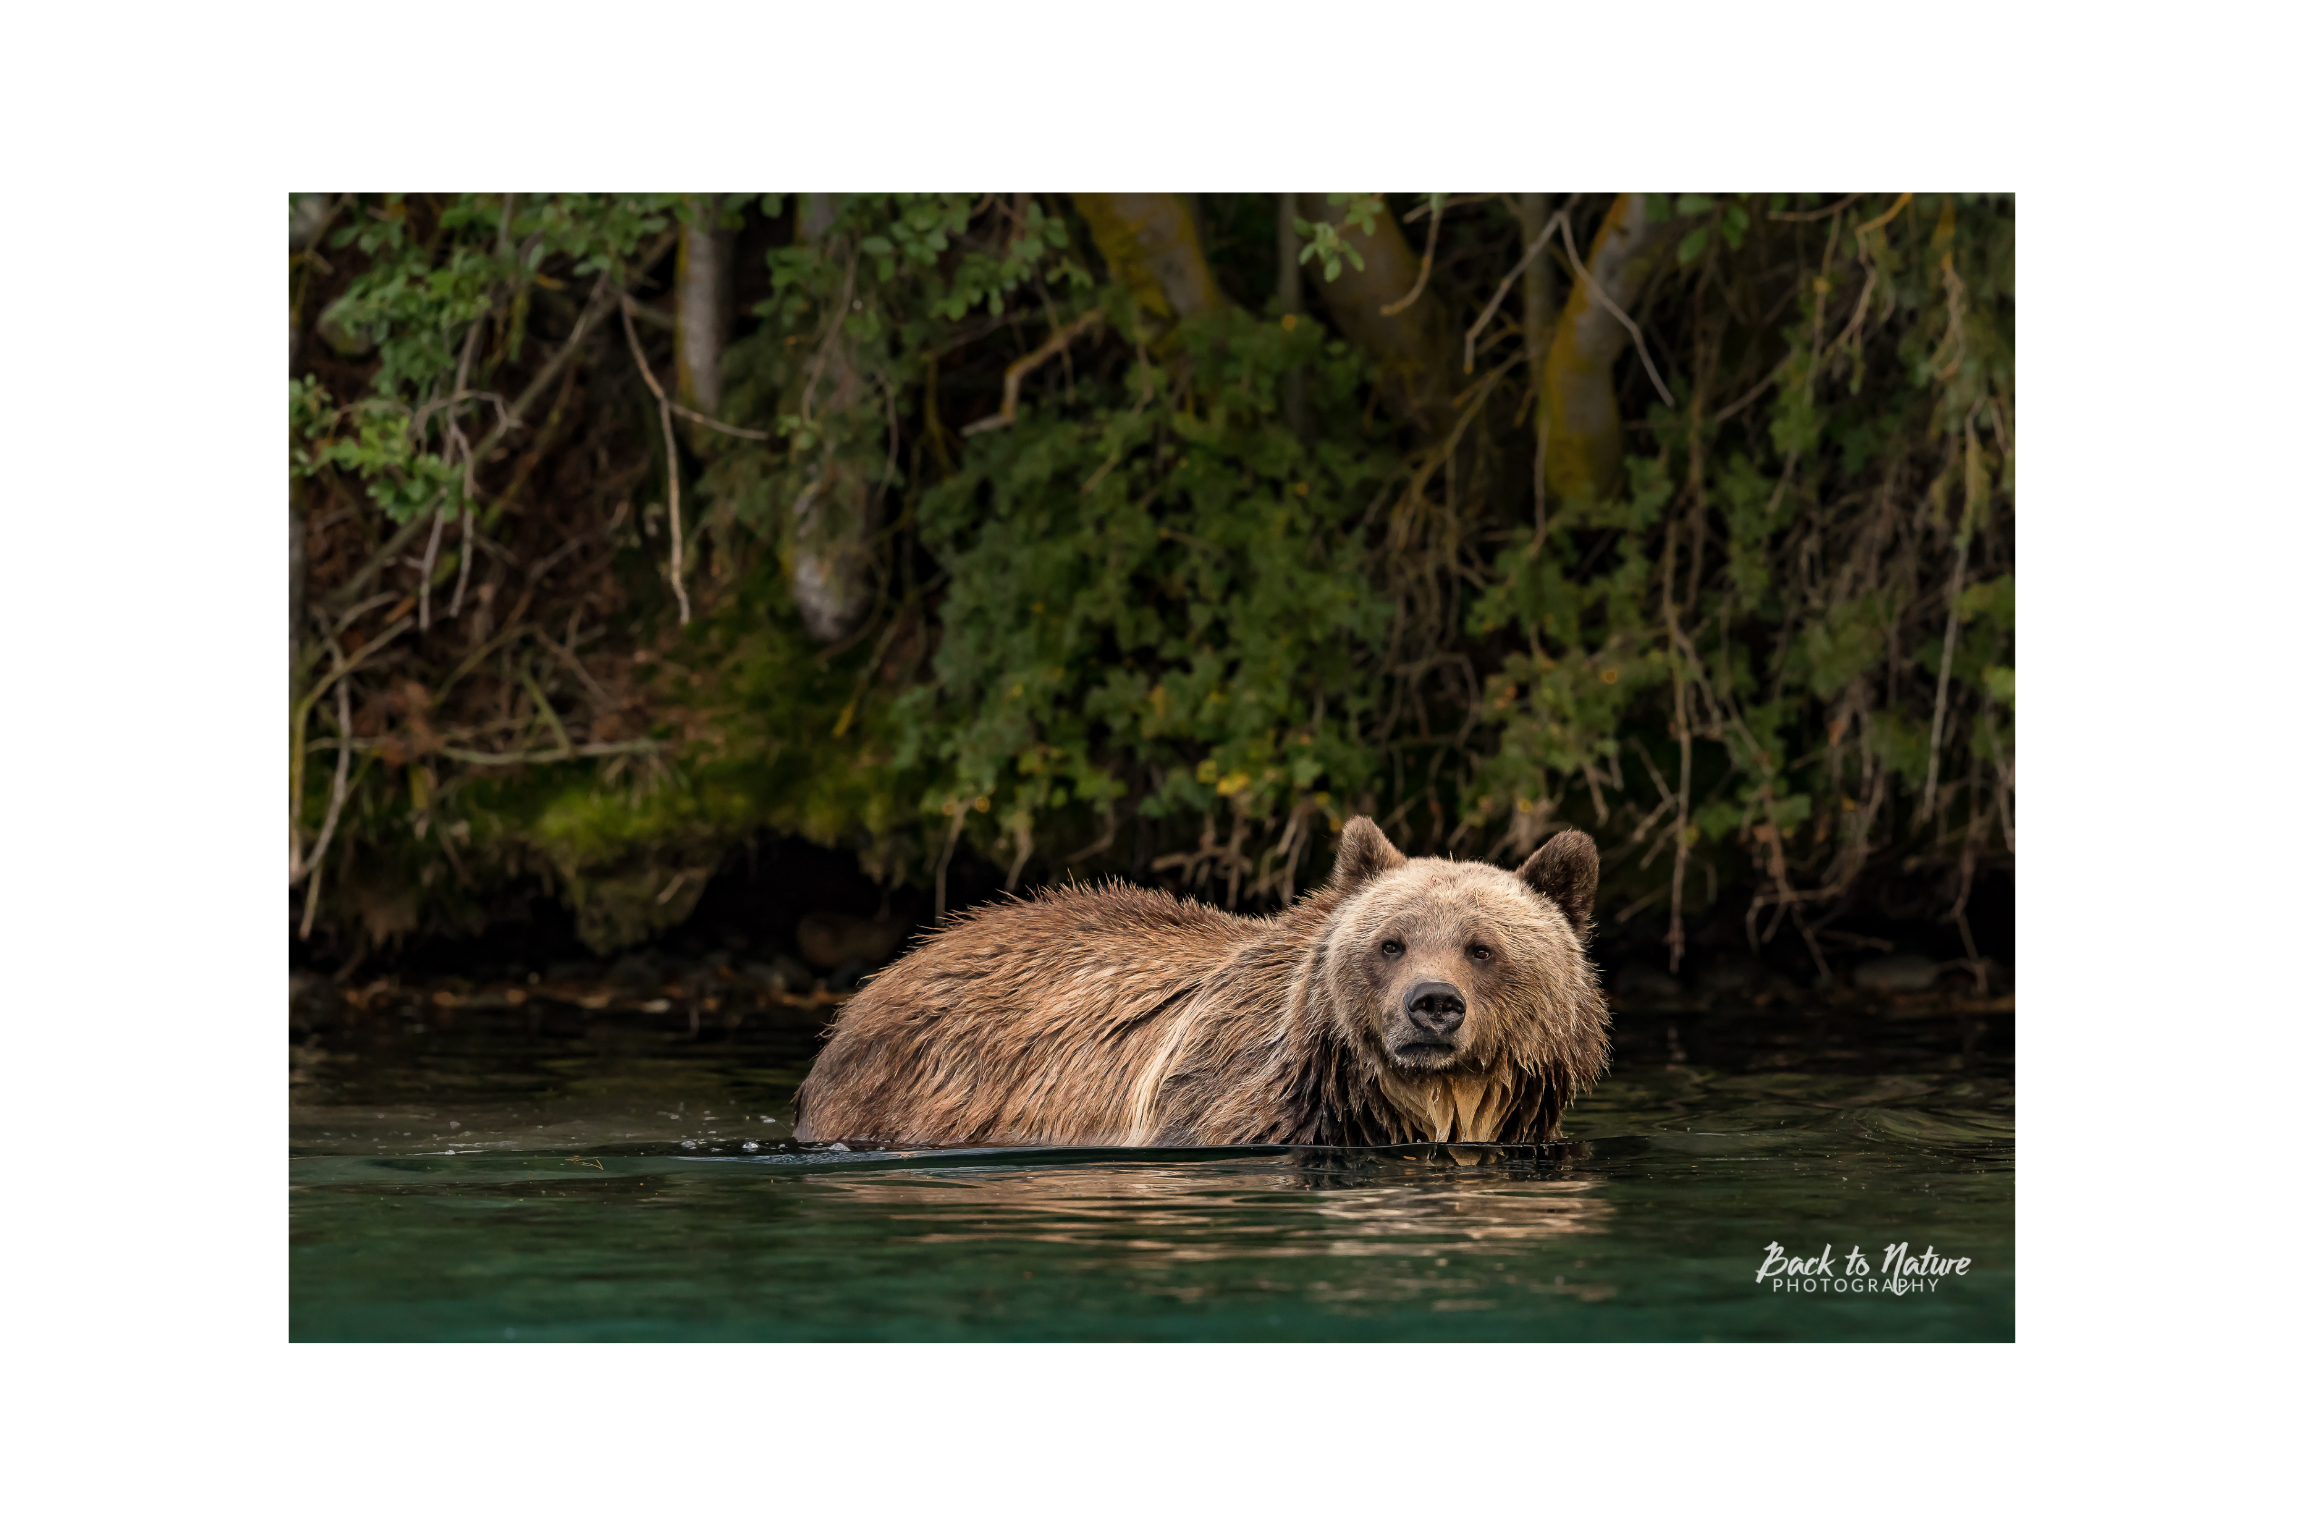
column 1208, row 589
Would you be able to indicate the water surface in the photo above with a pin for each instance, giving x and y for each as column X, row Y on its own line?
column 547, row 1173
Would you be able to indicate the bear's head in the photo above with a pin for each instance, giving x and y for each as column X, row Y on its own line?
column 1436, row 967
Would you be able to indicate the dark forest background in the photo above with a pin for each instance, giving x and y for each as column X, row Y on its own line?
column 767, row 573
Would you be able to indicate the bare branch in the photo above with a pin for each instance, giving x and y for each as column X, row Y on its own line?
column 1012, row 383
column 1894, row 209
column 1818, row 215
column 1535, row 248
column 1600, row 292
column 556, row 755
column 671, row 458
column 1423, row 274
column 602, row 300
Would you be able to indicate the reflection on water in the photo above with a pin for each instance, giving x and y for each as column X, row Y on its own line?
column 1179, row 1215
column 575, row 1179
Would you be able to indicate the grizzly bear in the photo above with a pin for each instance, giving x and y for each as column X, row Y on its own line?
column 1407, row 1000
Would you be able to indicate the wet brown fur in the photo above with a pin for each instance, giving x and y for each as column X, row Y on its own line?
column 1117, row 1016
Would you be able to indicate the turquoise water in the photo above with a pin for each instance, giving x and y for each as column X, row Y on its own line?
column 544, row 1173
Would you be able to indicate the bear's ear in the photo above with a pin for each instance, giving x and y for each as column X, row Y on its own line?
column 1567, row 870
column 1363, row 854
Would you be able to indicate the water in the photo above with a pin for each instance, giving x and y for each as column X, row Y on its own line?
column 546, row 1173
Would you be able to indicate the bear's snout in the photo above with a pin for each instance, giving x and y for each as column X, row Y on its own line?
column 1436, row 1009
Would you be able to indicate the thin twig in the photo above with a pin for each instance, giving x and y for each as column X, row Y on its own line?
column 951, row 841
column 1894, row 209
column 1568, row 243
column 464, row 564
column 556, row 755
column 458, row 442
column 1142, row 400
column 551, row 715
column 672, row 479
column 343, row 201
column 456, row 397
column 1468, row 200
column 569, row 656
column 336, row 798
column 671, row 456
column 1816, row 215
column 353, row 664
column 344, row 763
column 1535, row 248
column 345, row 618
column 424, row 582
column 1951, row 626
column 512, row 627
column 718, row 425
column 1543, row 512
column 1754, row 393
column 1111, row 830
column 1424, row 274
column 1012, row 383
column 601, row 299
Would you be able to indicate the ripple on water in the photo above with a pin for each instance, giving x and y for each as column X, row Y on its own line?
column 612, row 1183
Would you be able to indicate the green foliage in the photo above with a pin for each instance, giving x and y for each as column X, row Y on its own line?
column 428, row 305
column 1203, row 583
column 1162, row 595
column 1327, row 244
column 1789, row 646
column 875, row 298
column 417, row 298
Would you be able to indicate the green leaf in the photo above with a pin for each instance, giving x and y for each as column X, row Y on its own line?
column 1692, row 243
column 1691, row 203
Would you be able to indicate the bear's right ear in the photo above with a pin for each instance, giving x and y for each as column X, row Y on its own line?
column 1567, row 870
column 1364, row 853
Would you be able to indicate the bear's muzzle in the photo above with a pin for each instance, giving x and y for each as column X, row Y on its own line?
column 1432, row 1012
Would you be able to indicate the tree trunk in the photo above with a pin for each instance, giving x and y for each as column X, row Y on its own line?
column 1291, row 254
column 1149, row 241
column 701, row 302
column 829, row 553
column 1411, row 347
column 305, row 229
column 295, row 578
column 1539, row 289
column 1582, row 436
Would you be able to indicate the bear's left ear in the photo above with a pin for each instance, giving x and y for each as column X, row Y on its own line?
column 1567, row 870
column 1363, row 853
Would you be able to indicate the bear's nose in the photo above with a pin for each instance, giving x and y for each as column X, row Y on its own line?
column 1435, row 1006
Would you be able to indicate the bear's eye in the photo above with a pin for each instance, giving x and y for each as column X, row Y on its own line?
column 1480, row 952
column 1392, row 949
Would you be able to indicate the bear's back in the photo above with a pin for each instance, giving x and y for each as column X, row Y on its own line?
column 1032, row 1021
